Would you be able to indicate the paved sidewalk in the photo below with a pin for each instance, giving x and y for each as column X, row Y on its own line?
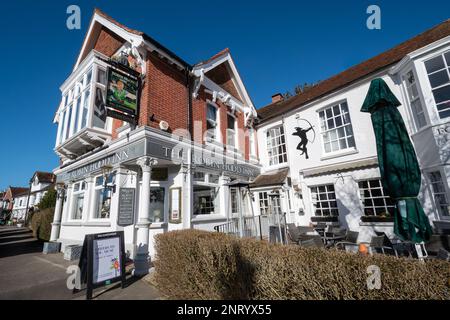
column 27, row 273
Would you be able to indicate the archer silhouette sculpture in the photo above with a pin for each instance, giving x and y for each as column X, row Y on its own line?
column 302, row 146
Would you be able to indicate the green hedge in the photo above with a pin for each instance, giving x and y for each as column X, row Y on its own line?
column 41, row 223
column 192, row 264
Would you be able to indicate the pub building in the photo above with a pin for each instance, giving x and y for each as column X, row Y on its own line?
column 149, row 143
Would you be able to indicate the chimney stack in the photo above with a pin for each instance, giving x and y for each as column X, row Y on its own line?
column 277, row 97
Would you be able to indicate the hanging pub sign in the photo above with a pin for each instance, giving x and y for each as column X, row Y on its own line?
column 122, row 95
column 102, row 260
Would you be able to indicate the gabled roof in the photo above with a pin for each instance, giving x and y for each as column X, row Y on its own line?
column 270, row 179
column 18, row 191
column 46, row 177
column 128, row 34
column 356, row 72
column 224, row 58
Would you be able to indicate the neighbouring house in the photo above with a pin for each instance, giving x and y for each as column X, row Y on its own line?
column 318, row 151
column 40, row 183
column 151, row 160
column 14, row 201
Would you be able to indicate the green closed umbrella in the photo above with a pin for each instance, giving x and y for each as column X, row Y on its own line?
column 400, row 172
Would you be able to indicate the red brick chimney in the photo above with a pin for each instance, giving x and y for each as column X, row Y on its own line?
column 277, row 97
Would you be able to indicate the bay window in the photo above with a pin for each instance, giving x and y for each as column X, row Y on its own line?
column 82, row 103
column 206, row 193
column 414, row 99
column 276, row 146
column 439, row 194
column 438, row 70
column 336, row 128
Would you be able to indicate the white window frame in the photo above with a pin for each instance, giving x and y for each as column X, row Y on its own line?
column 270, row 147
column 217, row 122
column 235, row 141
column 316, row 200
column 347, row 137
column 263, row 196
column 75, row 102
column 75, row 194
column 433, row 194
column 95, row 202
column 252, row 141
column 411, row 100
column 383, row 196
column 207, row 183
column 447, row 68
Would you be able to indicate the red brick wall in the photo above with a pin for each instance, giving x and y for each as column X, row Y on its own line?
column 108, row 42
column 164, row 95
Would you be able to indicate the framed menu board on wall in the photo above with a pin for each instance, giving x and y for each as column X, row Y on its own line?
column 175, row 205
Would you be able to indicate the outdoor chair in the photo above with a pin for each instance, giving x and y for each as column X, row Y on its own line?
column 377, row 245
column 333, row 235
column 351, row 238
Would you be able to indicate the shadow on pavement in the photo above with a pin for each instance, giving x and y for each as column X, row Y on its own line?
column 9, row 245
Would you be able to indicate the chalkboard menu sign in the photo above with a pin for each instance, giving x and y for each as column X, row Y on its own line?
column 125, row 216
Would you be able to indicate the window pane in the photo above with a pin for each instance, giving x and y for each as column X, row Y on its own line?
column 442, row 94
column 87, row 96
column 101, row 76
column 157, row 195
column 447, row 57
column 205, row 200
column 434, row 64
column 99, row 116
column 438, row 78
column 230, row 122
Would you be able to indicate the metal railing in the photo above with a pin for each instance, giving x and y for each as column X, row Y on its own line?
column 251, row 227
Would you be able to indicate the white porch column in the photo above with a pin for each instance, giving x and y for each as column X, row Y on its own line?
column 188, row 195
column 56, row 224
column 141, row 260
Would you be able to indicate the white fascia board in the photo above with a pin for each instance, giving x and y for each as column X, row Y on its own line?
column 127, row 36
column 151, row 47
column 419, row 52
column 211, row 85
column 219, row 60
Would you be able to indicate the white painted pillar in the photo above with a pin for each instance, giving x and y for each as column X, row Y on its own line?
column 141, row 260
column 56, row 224
column 188, row 196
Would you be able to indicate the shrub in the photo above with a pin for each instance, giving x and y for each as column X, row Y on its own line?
column 193, row 264
column 41, row 223
column 48, row 200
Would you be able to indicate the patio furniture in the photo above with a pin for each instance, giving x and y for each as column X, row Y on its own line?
column 320, row 228
column 333, row 235
column 377, row 245
column 314, row 242
column 300, row 233
column 350, row 238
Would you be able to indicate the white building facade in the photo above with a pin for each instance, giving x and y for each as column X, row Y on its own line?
column 336, row 180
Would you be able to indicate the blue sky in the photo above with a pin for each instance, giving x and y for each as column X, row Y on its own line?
column 275, row 44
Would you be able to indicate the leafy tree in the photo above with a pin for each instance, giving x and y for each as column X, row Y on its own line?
column 299, row 89
column 48, row 200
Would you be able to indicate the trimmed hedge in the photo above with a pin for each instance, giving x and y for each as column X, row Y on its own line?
column 193, row 264
column 41, row 223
